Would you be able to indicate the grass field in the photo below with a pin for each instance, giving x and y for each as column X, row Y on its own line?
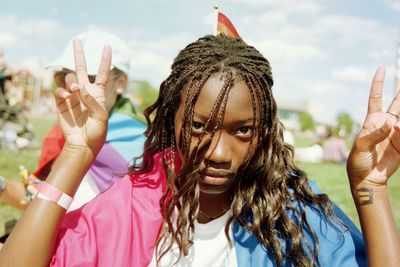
column 331, row 178
column 11, row 160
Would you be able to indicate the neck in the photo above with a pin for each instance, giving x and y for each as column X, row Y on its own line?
column 213, row 206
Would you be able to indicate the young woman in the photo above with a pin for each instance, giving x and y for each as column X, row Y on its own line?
column 216, row 186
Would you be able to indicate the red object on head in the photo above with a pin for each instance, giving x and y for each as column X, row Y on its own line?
column 225, row 26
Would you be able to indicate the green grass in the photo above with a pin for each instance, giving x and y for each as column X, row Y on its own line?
column 11, row 160
column 303, row 141
column 332, row 179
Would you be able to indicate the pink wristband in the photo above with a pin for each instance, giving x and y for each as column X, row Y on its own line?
column 51, row 193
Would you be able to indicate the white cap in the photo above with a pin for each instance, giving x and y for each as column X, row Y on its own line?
column 93, row 44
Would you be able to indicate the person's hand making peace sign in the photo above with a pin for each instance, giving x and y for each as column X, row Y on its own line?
column 374, row 158
column 376, row 152
column 81, row 105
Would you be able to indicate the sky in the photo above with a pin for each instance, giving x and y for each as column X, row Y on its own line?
column 323, row 53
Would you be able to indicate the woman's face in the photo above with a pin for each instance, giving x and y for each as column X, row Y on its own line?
column 231, row 141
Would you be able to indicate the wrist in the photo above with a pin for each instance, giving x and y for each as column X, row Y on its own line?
column 84, row 153
column 356, row 182
column 70, row 167
column 366, row 192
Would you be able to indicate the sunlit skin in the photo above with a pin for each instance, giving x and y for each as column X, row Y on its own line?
column 83, row 117
column 229, row 146
column 114, row 87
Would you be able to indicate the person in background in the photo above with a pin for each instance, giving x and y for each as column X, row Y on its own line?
column 334, row 148
column 125, row 136
column 217, row 185
column 5, row 78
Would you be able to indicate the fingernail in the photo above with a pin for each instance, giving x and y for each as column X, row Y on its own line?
column 65, row 94
column 74, row 87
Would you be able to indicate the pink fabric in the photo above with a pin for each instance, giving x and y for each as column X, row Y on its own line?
column 118, row 228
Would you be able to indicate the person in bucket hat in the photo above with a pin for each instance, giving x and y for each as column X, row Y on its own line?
column 125, row 137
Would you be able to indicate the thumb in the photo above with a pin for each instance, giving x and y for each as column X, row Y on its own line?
column 372, row 138
column 95, row 109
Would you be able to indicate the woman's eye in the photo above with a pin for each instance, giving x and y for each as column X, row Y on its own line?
column 244, row 131
column 198, row 126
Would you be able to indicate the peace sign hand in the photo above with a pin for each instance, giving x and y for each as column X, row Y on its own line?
column 375, row 155
column 81, row 106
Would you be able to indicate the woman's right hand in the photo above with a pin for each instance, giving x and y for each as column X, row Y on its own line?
column 81, row 108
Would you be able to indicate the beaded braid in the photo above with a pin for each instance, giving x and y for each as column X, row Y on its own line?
column 273, row 182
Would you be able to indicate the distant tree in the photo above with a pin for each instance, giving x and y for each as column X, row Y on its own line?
column 144, row 93
column 344, row 120
column 306, row 121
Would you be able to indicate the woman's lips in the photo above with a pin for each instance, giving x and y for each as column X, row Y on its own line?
column 214, row 179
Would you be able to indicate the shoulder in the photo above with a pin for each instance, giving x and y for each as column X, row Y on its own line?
column 340, row 241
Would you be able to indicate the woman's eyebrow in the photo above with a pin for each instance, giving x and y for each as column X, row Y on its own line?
column 200, row 116
column 205, row 118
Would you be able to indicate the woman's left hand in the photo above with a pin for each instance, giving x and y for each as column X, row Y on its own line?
column 375, row 155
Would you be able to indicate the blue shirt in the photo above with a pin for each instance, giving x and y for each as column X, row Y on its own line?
column 338, row 245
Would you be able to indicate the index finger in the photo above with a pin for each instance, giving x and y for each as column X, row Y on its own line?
column 375, row 96
column 80, row 63
column 104, row 68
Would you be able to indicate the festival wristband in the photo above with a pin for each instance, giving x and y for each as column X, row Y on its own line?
column 51, row 193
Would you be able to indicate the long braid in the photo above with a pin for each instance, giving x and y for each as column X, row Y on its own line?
column 273, row 182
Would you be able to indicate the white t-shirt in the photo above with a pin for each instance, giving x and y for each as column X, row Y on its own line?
column 210, row 248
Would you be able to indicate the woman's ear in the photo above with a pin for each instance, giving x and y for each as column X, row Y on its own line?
column 122, row 84
column 123, row 80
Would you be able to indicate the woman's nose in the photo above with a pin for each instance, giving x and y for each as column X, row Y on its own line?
column 219, row 154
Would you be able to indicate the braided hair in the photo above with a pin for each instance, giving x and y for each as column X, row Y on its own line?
column 273, row 183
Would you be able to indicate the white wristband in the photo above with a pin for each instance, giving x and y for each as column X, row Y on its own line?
column 50, row 193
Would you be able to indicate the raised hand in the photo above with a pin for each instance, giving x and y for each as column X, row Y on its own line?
column 376, row 152
column 81, row 106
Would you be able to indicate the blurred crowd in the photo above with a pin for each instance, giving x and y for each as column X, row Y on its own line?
column 327, row 145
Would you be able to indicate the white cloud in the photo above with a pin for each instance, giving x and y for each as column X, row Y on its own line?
column 34, row 27
column 7, row 39
column 328, row 87
column 252, row 2
column 290, row 6
column 351, row 74
column 285, row 52
column 354, row 32
column 393, row 4
column 151, row 60
column 275, row 17
column 24, row 32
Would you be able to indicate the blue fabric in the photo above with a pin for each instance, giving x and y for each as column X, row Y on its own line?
column 125, row 134
column 338, row 246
